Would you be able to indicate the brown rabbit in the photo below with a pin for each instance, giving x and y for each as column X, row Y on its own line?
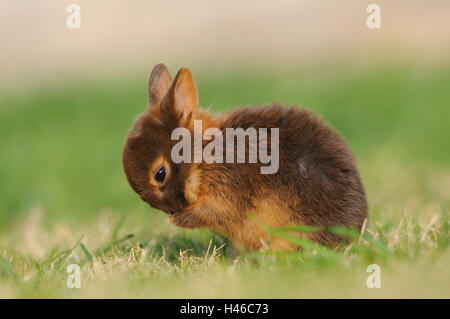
column 317, row 183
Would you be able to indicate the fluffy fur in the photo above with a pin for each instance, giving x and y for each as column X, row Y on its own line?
column 317, row 183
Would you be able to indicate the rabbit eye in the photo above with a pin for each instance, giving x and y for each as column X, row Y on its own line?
column 160, row 174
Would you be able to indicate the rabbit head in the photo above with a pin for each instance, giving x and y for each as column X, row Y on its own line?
column 146, row 155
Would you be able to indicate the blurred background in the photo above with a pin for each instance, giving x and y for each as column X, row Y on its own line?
column 68, row 97
column 117, row 38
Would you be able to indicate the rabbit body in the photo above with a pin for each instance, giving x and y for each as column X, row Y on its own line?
column 317, row 182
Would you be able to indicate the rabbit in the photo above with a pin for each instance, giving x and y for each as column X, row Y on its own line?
column 317, row 182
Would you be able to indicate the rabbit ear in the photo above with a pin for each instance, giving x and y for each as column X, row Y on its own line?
column 158, row 84
column 185, row 98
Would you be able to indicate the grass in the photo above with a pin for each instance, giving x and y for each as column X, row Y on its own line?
column 64, row 198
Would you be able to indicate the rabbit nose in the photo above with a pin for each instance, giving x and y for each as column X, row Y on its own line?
column 172, row 209
column 168, row 211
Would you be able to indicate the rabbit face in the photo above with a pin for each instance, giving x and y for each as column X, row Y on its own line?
column 146, row 155
column 149, row 170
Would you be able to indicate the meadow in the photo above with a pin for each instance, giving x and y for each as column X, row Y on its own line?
column 64, row 198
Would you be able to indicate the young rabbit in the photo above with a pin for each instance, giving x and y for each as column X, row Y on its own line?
column 316, row 184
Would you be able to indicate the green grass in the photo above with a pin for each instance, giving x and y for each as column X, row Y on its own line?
column 64, row 198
